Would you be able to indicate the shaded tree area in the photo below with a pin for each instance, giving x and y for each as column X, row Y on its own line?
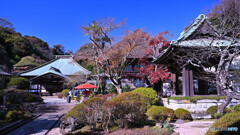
column 14, row 46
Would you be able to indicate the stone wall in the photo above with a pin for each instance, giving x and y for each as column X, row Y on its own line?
column 199, row 107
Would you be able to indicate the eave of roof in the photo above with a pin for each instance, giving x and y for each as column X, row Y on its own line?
column 50, row 72
column 62, row 63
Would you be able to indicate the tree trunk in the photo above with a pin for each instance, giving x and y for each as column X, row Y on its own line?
column 224, row 105
column 119, row 88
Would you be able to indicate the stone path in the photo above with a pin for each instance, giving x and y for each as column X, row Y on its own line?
column 193, row 127
column 52, row 110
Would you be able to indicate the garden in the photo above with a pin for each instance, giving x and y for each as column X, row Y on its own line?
column 16, row 102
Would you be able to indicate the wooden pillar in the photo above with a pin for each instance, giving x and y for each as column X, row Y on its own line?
column 175, row 87
column 173, row 79
column 40, row 90
column 187, row 81
column 191, row 85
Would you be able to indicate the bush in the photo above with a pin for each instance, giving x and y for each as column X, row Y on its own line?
column 217, row 115
column 19, row 97
column 3, row 82
column 195, row 99
column 14, row 115
column 183, row 114
column 89, row 112
column 126, row 88
column 60, row 95
column 19, row 82
column 160, row 113
column 213, row 109
column 228, row 120
column 236, row 107
column 129, row 109
column 148, row 93
column 65, row 92
column 111, row 89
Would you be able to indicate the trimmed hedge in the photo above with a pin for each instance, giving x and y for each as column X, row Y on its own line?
column 19, row 97
column 14, row 115
column 195, row 99
column 213, row 109
column 129, row 109
column 20, row 82
column 229, row 120
column 160, row 113
column 183, row 114
column 149, row 93
column 89, row 112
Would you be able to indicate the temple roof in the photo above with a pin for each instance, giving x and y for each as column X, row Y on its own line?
column 64, row 65
column 51, row 70
column 199, row 34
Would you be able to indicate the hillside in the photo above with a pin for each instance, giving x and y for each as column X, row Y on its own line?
column 14, row 47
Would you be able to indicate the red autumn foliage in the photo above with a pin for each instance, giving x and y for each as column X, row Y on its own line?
column 154, row 72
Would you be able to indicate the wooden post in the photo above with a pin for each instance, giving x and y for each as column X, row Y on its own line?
column 173, row 78
column 187, row 81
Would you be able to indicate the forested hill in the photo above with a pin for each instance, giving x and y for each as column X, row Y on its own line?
column 14, row 47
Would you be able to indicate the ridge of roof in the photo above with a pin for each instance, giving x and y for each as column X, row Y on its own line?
column 56, row 58
column 193, row 27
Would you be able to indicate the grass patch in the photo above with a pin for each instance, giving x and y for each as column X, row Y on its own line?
column 195, row 99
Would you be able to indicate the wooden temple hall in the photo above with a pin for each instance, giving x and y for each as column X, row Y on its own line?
column 51, row 76
column 188, row 80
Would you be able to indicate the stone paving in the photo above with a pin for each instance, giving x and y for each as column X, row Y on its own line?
column 52, row 110
column 193, row 127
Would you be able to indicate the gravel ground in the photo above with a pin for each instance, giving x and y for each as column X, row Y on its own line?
column 193, row 127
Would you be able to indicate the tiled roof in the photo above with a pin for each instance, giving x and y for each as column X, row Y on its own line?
column 65, row 64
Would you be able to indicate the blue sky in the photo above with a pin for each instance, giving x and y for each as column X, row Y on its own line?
column 59, row 21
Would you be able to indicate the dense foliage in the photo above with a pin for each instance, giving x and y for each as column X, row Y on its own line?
column 228, row 120
column 236, row 108
column 18, row 97
column 129, row 109
column 183, row 114
column 65, row 92
column 88, row 113
column 14, row 115
column 19, row 82
column 160, row 113
column 213, row 109
column 149, row 93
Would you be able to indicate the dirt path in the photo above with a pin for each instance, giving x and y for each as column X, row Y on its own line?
column 52, row 110
column 193, row 127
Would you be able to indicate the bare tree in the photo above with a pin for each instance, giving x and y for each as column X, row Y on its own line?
column 215, row 58
column 113, row 57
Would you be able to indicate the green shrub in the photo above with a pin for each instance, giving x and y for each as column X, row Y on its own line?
column 111, row 89
column 183, row 114
column 160, row 113
column 236, row 107
column 213, row 109
column 126, row 88
column 128, row 109
column 229, row 120
column 65, row 92
column 14, row 115
column 20, row 82
column 19, row 97
column 217, row 115
column 148, row 93
column 89, row 112
column 195, row 99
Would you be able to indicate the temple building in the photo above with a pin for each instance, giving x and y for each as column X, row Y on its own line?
column 50, row 77
column 187, row 79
